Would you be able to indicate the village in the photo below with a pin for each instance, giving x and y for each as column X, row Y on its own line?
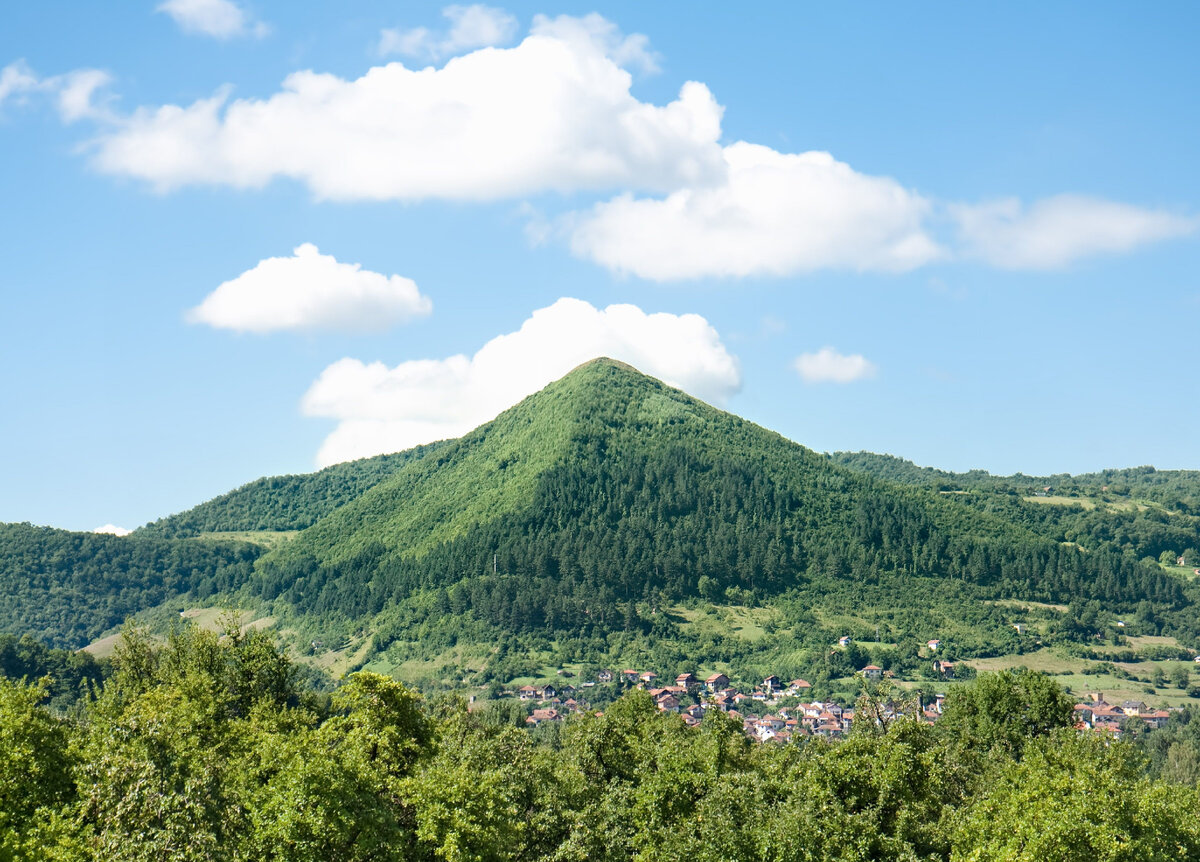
column 775, row 711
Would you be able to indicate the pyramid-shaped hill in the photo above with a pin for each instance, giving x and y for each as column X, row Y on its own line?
column 609, row 487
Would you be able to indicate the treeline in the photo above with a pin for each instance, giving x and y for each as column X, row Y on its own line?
column 279, row 503
column 66, row 588
column 207, row 749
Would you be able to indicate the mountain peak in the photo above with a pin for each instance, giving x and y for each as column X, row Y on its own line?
column 605, row 362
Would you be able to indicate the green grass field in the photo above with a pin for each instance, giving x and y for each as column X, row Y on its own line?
column 1068, row 671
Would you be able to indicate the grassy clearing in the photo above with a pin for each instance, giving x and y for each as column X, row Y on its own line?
column 337, row 662
column 209, row 619
column 1115, row 690
column 103, row 648
column 1045, row 660
column 1188, row 573
column 1055, row 500
column 214, row 619
column 1025, row 605
column 1068, row 671
column 746, row 623
column 269, row 539
column 1152, row 640
column 841, row 621
column 448, row 666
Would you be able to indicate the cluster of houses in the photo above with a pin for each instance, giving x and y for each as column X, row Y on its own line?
column 1105, row 718
column 691, row 698
column 824, row 719
column 556, row 701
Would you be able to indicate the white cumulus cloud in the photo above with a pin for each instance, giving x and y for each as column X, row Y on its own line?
column 475, row 26
column 220, row 19
column 553, row 113
column 829, row 366
column 311, row 290
column 113, row 529
column 1059, row 230
column 387, row 409
column 773, row 214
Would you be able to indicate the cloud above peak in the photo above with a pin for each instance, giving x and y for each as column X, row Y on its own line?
column 387, row 409
column 112, row 530
column 311, row 291
column 554, row 113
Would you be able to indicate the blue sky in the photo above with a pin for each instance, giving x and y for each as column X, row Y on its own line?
column 250, row 239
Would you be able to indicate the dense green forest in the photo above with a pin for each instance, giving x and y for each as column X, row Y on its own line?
column 66, row 588
column 207, row 749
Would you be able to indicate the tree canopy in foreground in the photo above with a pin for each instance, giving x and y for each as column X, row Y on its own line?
column 208, row 748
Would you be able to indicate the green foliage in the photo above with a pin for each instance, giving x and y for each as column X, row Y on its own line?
column 1075, row 799
column 1152, row 513
column 203, row 748
column 34, row 763
column 68, row 676
column 1005, row 711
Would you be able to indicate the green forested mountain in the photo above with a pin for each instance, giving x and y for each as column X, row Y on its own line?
column 609, row 490
column 279, row 503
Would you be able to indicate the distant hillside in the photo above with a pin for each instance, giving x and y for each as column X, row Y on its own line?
column 1148, row 512
column 280, row 503
column 1178, row 490
column 66, row 588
